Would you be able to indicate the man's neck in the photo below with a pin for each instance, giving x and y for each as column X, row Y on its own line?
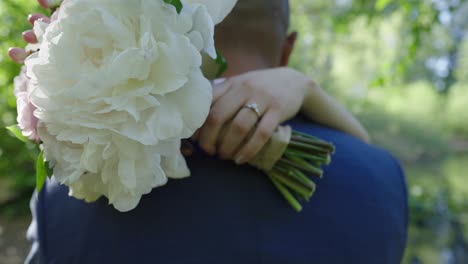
column 240, row 62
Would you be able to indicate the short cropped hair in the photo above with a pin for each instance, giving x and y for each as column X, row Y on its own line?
column 255, row 26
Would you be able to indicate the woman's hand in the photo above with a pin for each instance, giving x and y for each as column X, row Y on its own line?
column 235, row 131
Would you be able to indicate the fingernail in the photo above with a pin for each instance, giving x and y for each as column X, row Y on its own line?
column 219, row 81
column 17, row 54
column 29, row 36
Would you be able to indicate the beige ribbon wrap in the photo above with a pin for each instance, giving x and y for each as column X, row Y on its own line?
column 273, row 150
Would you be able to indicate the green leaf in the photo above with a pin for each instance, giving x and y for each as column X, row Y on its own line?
column 221, row 62
column 16, row 131
column 41, row 172
column 176, row 3
column 381, row 4
column 213, row 68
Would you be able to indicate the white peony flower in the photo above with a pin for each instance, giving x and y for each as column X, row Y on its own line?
column 117, row 84
column 218, row 9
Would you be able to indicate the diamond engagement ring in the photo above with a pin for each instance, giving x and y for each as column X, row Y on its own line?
column 254, row 107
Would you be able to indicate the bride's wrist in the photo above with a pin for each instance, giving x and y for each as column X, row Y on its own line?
column 311, row 89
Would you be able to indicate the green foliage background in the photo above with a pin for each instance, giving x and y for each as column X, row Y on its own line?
column 377, row 57
column 16, row 160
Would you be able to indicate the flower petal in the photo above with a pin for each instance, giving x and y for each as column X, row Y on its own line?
column 175, row 166
column 193, row 101
column 218, row 9
column 111, row 121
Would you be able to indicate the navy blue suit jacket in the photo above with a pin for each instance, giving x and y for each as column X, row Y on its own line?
column 230, row 214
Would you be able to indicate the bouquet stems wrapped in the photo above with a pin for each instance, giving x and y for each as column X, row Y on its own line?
column 288, row 158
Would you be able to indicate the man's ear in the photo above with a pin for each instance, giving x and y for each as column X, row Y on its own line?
column 288, row 48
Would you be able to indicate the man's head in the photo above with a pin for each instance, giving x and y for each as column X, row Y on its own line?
column 255, row 35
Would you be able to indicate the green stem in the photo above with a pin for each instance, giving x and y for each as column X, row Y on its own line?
column 302, row 134
column 291, row 171
column 306, row 137
column 304, row 155
column 308, row 147
column 317, row 151
column 304, row 140
column 301, row 175
column 321, row 159
column 290, row 162
column 312, row 169
column 292, row 183
column 287, row 195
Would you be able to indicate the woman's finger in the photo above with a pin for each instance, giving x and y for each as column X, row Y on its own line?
column 18, row 55
column 261, row 136
column 186, row 148
column 29, row 36
column 236, row 132
column 220, row 88
column 222, row 111
column 33, row 17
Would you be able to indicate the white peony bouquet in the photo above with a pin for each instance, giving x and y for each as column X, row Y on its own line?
column 114, row 87
column 117, row 84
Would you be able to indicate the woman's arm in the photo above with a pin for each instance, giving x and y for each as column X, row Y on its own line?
column 326, row 110
column 235, row 132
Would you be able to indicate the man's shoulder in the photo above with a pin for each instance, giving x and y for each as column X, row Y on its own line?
column 363, row 169
column 240, row 214
column 368, row 186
